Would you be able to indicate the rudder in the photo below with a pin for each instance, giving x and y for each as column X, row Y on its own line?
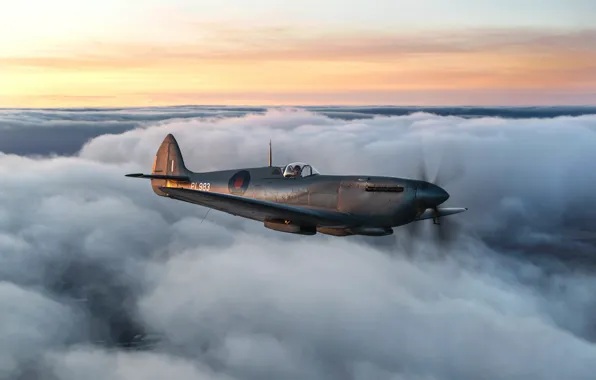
column 168, row 161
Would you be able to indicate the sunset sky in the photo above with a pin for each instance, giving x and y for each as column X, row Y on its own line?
column 272, row 52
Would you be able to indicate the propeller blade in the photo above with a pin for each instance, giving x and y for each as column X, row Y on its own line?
column 450, row 168
column 422, row 174
column 446, row 232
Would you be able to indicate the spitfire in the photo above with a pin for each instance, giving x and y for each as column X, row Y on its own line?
column 297, row 199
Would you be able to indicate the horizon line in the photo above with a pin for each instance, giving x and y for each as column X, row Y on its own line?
column 306, row 105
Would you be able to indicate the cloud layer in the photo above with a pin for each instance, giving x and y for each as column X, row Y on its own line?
column 30, row 131
column 90, row 259
column 64, row 131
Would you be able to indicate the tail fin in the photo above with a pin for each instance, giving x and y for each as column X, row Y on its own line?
column 168, row 159
column 168, row 167
column 168, row 162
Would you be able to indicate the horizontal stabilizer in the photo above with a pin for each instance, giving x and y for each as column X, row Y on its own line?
column 181, row 178
column 430, row 213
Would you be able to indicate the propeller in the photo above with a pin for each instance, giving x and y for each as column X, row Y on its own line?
column 444, row 230
column 448, row 170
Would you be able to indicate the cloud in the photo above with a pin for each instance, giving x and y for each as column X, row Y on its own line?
column 226, row 298
column 64, row 131
column 30, row 323
column 101, row 364
column 353, row 309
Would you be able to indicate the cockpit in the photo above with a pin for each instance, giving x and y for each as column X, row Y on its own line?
column 299, row 169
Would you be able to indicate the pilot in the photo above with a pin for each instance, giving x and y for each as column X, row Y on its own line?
column 296, row 171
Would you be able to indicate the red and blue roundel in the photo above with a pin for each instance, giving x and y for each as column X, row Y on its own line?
column 239, row 182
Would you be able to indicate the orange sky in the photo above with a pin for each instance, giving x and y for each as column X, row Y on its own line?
column 295, row 65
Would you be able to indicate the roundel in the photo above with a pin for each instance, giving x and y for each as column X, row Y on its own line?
column 239, row 182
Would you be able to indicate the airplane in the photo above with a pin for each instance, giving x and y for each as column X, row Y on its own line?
column 297, row 199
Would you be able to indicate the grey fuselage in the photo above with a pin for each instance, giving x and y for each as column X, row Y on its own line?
column 335, row 193
column 339, row 205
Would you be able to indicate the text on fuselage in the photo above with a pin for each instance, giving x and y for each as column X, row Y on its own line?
column 202, row 186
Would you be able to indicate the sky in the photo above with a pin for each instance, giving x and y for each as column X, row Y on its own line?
column 268, row 52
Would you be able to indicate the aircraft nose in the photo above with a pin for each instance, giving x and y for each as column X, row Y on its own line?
column 440, row 194
column 432, row 194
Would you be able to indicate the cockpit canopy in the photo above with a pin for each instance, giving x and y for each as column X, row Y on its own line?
column 299, row 169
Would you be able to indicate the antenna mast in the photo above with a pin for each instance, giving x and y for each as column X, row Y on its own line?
column 270, row 155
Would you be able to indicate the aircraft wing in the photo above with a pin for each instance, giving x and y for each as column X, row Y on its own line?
column 443, row 211
column 259, row 209
column 179, row 178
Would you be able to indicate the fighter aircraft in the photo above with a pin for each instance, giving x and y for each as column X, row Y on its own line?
column 297, row 199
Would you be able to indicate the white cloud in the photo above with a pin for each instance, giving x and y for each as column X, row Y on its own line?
column 234, row 299
column 30, row 323
column 97, row 364
column 311, row 305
